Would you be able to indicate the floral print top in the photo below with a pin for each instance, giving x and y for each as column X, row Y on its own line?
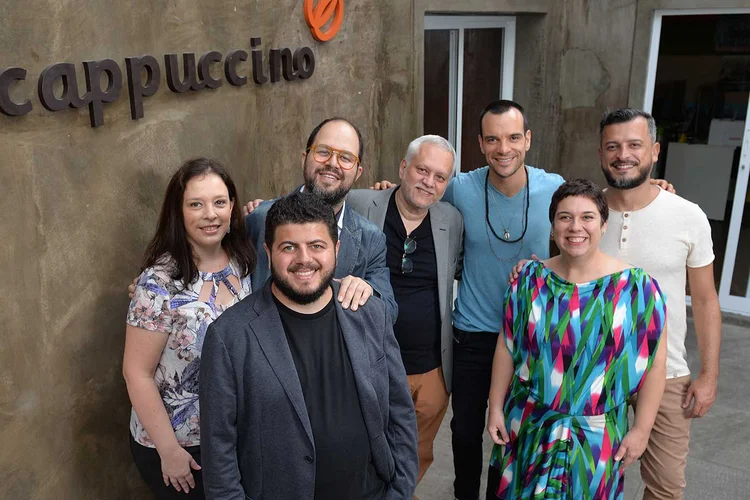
column 161, row 304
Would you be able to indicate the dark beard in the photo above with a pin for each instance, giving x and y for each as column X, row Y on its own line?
column 624, row 184
column 301, row 298
column 332, row 198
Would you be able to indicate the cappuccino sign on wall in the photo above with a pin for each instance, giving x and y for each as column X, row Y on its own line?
column 195, row 75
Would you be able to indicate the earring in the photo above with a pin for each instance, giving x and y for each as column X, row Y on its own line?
column 604, row 232
column 229, row 229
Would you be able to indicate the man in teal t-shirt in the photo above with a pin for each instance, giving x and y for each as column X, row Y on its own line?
column 505, row 208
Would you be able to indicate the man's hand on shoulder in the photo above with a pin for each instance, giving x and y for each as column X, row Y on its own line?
column 353, row 292
column 663, row 184
column 251, row 206
column 383, row 185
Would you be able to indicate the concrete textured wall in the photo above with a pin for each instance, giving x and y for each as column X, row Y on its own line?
column 79, row 204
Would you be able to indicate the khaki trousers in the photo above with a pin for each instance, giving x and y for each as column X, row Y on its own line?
column 430, row 403
column 664, row 461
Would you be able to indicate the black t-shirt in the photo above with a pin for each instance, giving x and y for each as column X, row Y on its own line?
column 343, row 468
column 417, row 328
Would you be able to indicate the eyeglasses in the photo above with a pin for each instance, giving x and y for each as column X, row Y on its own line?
column 322, row 153
column 410, row 245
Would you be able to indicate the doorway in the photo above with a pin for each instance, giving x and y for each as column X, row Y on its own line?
column 468, row 62
column 698, row 90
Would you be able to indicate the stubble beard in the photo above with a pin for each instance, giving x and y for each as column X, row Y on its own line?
column 628, row 183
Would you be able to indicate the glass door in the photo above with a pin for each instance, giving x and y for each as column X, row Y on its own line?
column 698, row 90
column 468, row 62
column 734, row 292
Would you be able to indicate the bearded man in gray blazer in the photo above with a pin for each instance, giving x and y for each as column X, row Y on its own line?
column 302, row 399
column 424, row 241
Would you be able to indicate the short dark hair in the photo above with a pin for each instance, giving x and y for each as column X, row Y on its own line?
column 171, row 236
column 580, row 187
column 500, row 107
column 300, row 208
column 316, row 130
column 624, row 115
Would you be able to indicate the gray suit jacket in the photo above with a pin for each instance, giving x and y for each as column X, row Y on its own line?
column 361, row 254
column 448, row 236
column 256, row 437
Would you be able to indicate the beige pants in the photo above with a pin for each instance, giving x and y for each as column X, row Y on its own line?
column 430, row 403
column 663, row 464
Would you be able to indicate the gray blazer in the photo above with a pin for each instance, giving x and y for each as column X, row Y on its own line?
column 448, row 236
column 361, row 253
column 256, row 438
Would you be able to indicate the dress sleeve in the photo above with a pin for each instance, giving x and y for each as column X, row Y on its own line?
column 150, row 309
column 650, row 310
column 515, row 307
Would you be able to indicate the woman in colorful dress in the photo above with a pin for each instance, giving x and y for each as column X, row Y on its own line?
column 582, row 333
column 196, row 266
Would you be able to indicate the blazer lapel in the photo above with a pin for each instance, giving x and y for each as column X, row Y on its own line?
column 351, row 240
column 441, row 239
column 270, row 334
column 377, row 211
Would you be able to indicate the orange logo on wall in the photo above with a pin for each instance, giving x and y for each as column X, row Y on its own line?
column 318, row 16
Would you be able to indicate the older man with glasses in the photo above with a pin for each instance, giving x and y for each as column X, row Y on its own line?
column 330, row 167
column 424, row 240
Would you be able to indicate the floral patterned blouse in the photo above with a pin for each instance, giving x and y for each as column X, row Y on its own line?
column 161, row 304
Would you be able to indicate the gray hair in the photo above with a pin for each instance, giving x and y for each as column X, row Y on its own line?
column 436, row 140
column 624, row 115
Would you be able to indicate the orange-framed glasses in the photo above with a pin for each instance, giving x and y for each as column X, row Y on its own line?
column 322, row 153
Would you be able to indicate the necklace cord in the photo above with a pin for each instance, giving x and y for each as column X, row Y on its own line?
column 487, row 207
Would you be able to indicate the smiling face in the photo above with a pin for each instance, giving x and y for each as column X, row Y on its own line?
column 303, row 260
column 206, row 211
column 504, row 142
column 327, row 179
column 425, row 177
column 627, row 154
column 577, row 227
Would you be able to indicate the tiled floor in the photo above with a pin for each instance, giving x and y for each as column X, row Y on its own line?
column 719, row 463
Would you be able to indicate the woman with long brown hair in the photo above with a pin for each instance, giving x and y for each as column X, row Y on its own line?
column 197, row 265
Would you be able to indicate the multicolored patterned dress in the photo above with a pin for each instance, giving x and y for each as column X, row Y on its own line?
column 579, row 350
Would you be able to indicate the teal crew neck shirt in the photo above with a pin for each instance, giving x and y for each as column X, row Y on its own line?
column 487, row 260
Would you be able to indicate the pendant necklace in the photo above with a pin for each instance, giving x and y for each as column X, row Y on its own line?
column 506, row 232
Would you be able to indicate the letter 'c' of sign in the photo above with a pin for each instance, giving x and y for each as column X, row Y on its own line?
column 318, row 15
column 7, row 106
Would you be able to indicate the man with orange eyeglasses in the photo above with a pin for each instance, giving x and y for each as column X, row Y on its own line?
column 331, row 163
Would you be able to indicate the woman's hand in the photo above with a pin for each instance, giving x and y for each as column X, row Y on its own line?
column 176, row 468
column 496, row 427
column 632, row 447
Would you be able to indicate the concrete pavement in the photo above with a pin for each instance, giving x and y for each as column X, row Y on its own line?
column 719, row 462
